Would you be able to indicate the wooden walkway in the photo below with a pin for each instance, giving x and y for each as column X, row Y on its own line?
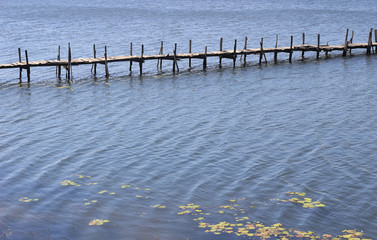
column 231, row 54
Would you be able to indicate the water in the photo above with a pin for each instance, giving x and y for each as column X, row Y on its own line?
column 250, row 134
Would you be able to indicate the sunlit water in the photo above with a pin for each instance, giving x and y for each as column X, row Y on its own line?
column 250, row 134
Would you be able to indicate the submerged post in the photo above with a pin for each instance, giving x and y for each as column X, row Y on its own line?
column 234, row 53
column 190, row 43
column 345, row 44
column 20, row 60
column 291, row 50
column 318, row 43
column 27, row 67
column 131, row 55
column 303, row 43
column 276, row 52
column 221, row 49
column 106, row 67
column 141, row 60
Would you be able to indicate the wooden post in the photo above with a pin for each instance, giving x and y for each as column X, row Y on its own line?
column 69, row 62
column 106, row 66
column 59, row 68
column 190, row 43
column 371, row 36
column 244, row 56
column 141, row 60
column 27, row 67
column 303, row 43
column 20, row 60
column 234, row 53
column 375, row 40
column 351, row 40
column 276, row 52
column 94, row 66
column 131, row 55
column 369, row 43
column 205, row 59
column 175, row 57
column 291, row 50
column 318, row 43
column 261, row 51
column 159, row 61
column 345, row 44
column 221, row 49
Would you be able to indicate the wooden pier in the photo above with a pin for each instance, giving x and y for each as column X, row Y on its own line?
column 370, row 46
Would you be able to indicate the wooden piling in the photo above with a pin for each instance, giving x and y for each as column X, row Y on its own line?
column 94, row 66
column 161, row 52
column 190, row 43
column 351, row 40
column 69, row 68
column 27, row 67
column 318, row 44
column 244, row 48
column 221, row 49
column 345, row 44
column 234, row 53
column 276, row 52
column 303, row 43
column 141, row 60
column 58, row 68
column 175, row 57
column 291, row 50
column 20, row 60
column 131, row 55
column 205, row 59
column 106, row 66
column 369, row 43
column 375, row 40
column 261, row 51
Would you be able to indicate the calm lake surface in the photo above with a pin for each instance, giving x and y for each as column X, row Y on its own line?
column 134, row 149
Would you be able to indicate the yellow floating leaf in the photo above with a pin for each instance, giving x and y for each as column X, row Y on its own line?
column 138, row 196
column 98, row 222
column 162, row 207
column 320, row 205
column 112, row 193
column 147, row 189
column 103, row 191
column 94, row 201
column 87, row 203
column 307, row 199
column 125, row 186
column 221, row 212
column 80, row 176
